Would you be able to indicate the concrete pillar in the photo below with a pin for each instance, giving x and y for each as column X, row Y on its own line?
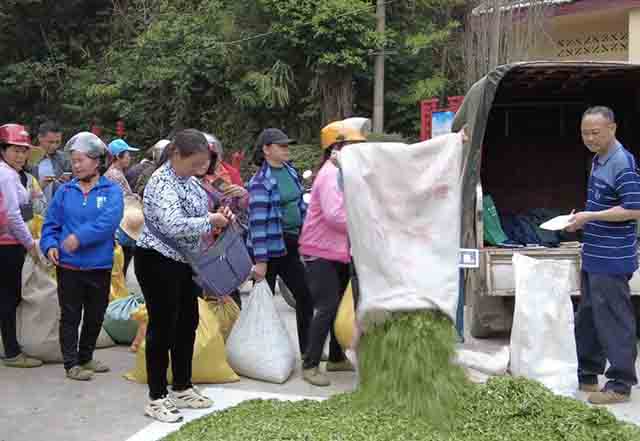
column 634, row 36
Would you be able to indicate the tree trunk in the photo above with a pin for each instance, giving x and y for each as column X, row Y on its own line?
column 336, row 94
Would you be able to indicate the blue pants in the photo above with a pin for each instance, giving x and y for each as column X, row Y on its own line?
column 606, row 330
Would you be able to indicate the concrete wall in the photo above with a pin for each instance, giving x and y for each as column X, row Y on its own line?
column 592, row 36
column 634, row 36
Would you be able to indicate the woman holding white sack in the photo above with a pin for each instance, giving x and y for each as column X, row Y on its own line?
column 15, row 240
column 324, row 245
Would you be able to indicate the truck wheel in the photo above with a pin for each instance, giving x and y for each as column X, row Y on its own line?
column 476, row 328
column 491, row 316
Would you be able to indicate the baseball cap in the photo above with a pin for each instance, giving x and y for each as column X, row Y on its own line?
column 118, row 146
column 273, row 136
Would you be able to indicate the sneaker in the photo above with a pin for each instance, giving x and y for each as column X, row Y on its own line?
column 315, row 377
column 608, row 397
column 22, row 361
column 95, row 366
column 590, row 388
column 191, row 398
column 79, row 374
column 163, row 410
column 340, row 366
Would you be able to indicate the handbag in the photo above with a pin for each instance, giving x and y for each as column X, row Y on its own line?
column 221, row 268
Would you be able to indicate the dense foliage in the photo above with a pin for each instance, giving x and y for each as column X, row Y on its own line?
column 229, row 66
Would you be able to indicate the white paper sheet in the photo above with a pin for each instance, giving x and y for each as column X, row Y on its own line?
column 557, row 223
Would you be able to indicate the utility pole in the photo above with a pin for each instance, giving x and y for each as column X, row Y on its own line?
column 378, row 91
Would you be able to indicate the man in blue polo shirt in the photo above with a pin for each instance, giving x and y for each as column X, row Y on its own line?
column 605, row 322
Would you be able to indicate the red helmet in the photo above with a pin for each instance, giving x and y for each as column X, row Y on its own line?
column 14, row 134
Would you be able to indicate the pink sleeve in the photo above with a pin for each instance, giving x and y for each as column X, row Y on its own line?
column 17, row 227
column 4, row 221
column 331, row 198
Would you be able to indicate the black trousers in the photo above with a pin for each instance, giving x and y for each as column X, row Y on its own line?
column 11, row 262
column 606, row 330
column 327, row 283
column 83, row 296
column 291, row 269
column 171, row 297
column 128, row 253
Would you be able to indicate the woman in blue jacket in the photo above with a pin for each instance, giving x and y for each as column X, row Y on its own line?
column 78, row 237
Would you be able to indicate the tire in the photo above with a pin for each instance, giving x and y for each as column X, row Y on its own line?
column 286, row 294
column 491, row 316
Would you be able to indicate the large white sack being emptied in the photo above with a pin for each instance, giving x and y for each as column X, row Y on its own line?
column 543, row 345
column 259, row 345
column 404, row 211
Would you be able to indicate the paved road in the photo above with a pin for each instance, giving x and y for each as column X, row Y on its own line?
column 42, row 405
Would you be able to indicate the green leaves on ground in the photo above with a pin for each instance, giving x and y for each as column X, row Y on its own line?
column 505, row 409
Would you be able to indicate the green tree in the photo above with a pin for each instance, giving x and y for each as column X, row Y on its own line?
column 334, row 37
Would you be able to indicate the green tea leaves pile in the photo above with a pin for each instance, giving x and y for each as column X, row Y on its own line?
column 410, row 391
column 505, row 409
column 404, row 363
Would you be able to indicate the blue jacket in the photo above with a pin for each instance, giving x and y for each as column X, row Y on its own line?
column 93, row 218
column 265, row 239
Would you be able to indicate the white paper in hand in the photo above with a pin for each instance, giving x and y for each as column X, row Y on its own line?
column 557, row 223
column 259, row 345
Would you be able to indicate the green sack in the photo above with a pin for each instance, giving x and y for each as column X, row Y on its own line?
column 118, row 322
column 493, row 233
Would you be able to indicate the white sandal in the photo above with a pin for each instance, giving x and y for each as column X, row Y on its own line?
column 191, row 398
column 163, row 410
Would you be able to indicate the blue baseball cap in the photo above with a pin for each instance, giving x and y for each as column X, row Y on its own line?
column 118, row 146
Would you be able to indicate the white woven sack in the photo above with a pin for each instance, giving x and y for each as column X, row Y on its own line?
column 259, row 345
column 403, row 211
column 543, row 344
column 38, row 315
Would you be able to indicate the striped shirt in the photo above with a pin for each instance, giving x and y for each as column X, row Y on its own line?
column 610, row 247
column 266, row 237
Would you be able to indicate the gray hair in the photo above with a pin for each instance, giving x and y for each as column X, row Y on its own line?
column 603, row 111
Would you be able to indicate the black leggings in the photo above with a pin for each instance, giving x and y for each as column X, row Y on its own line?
column 11, row 262
column 292, row 272
column 327, row 282
column 128, row 253
column 171, row 297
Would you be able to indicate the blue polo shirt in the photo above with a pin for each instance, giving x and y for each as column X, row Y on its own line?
column 610, row 247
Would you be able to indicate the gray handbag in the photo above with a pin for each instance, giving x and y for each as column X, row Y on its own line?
column 220, row 268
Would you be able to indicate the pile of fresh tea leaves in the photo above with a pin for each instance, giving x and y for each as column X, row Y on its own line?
column 505, row 409
column 409, row 390
column 405, row 363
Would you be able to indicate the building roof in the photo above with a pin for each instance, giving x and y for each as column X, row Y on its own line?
column 485, row 7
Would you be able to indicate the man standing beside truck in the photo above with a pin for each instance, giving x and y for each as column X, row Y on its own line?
column 605, row 323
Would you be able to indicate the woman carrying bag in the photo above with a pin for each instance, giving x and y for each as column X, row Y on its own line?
column 16, row 240
column 276, row 214
column 324, row 245
column 78, row 237
column 176, row 210
column 222, row 192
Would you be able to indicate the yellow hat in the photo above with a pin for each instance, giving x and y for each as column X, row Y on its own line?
column 133, row 218
column 340, row 131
